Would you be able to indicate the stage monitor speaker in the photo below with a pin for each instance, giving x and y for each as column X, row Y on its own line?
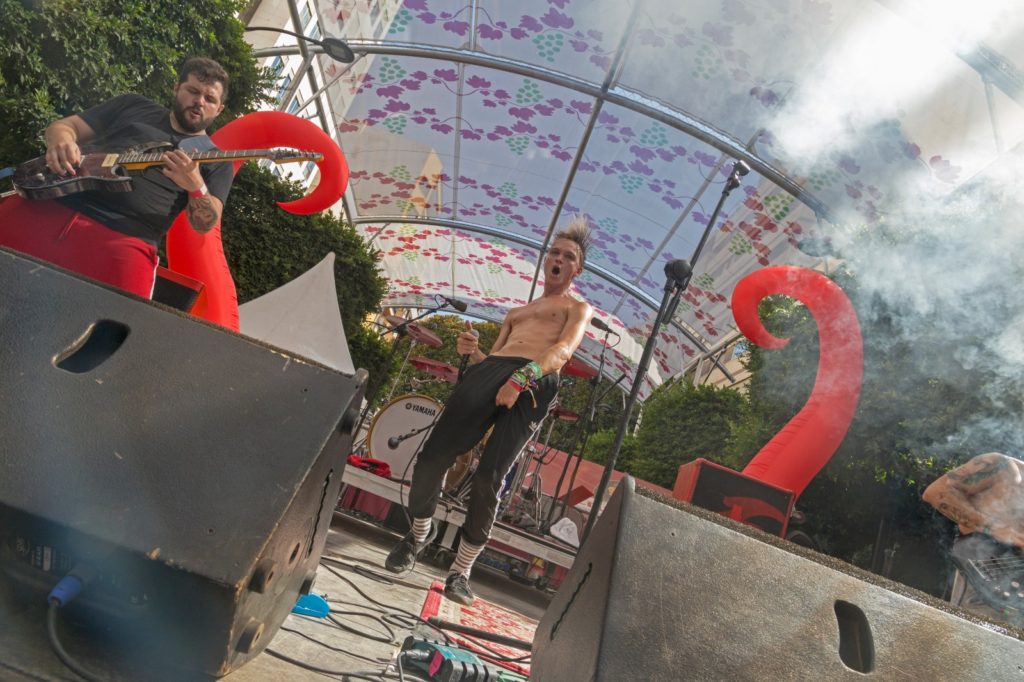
column 176, row 290
column 665, row 591
column 195, row 471
column 730, row 493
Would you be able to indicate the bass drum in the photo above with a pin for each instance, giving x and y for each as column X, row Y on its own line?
column 403, row 415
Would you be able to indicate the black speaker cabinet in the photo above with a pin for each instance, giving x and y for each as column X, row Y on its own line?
column 730, row 493
column 663, row 592
column 176, row 290
column 193, row 469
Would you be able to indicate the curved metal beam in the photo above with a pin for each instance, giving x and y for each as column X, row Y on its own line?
column 609, row 277
column 624, row 97
column 627, row 287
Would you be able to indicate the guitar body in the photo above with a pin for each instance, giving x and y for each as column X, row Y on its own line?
column 994, row 570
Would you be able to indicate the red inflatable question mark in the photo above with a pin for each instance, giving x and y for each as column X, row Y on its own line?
column 805, row 444
column 201, row 256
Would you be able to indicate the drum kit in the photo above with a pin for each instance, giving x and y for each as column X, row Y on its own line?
column 398, row 429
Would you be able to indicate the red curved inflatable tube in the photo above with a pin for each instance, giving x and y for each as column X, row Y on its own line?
column 805, row 444
column 201, row 256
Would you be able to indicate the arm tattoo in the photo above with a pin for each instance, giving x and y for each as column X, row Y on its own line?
column 987, row 469
column 960, row 515
column 202, row 213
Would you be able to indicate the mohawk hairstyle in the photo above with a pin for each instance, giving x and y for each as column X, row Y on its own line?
column 578, row 230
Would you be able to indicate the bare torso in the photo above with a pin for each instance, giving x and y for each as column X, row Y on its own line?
column 537, row 326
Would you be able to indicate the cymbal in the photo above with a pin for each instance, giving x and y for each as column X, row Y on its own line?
column 577, row 368
column 441, row 370
column 417, row 332
column 563, row 413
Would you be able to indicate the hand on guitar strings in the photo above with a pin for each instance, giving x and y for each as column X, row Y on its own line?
column 182, row 170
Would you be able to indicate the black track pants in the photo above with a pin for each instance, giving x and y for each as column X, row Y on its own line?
column 468, row 414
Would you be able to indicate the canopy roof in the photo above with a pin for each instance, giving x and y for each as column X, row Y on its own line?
column 476, row 129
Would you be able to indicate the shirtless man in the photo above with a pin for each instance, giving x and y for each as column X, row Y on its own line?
column 509, row 389
column 985, row 495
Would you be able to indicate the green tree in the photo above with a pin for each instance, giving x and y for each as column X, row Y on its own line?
column 680, row 423
column 267, row 247
column 904, row 434
column 58, row 57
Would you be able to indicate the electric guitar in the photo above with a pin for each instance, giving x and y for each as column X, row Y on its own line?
column 994, row 570
column 110, row 172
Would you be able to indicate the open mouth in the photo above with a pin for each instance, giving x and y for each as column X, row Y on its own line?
column 556, row 270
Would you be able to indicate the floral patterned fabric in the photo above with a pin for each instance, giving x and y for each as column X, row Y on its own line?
column 490, row 151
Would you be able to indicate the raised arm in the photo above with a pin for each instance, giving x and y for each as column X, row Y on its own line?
column 62, row 139
column 953, row 495
column 468, row 343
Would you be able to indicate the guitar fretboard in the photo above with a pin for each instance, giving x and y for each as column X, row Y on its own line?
column 213, row 155
column 998, row 567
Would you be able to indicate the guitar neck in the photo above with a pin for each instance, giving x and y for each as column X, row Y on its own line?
column 143, row 160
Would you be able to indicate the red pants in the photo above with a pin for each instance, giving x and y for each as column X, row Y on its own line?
column 55, row 233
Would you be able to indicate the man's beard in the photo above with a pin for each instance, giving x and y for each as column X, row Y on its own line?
column 178, row 111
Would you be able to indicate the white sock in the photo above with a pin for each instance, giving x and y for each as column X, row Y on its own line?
column 466, row 557
column 420, row 529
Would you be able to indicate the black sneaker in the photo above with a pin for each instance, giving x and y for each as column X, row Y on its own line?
column 403, row 557
column 456, row 588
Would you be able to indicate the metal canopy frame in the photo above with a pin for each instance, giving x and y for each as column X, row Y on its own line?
column 993, row 70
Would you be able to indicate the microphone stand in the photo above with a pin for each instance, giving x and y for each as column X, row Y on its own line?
column 581, row 426
column 673, row 289
column 406, row 436
column 677, row 280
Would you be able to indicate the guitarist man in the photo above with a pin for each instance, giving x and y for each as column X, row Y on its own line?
column 113, row 236
column 985, row 495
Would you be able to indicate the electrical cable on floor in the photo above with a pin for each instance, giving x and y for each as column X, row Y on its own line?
column 374, row 601
column 336, row 649
column 490, row 653
column 65, row 658
column 405, row 619
column 27, row 674
column 390, row 638
column 345, row 674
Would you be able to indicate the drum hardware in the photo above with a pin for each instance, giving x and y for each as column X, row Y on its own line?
column 576, row 367
column 582, row 435
column 564, row 414
column 436, row 368
column 456, row 484
column 402, row 327
column 512, row 497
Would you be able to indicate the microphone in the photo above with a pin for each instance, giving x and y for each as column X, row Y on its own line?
column 394, row 441
column 678, row 271
column 602, row 326
column 456, row 303
column 465, row 358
